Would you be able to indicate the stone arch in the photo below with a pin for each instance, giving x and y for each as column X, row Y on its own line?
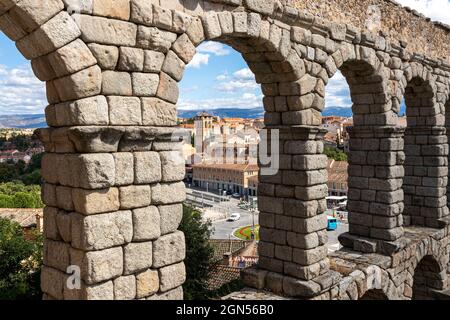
column 293, row 234
column 51, row 39
column 447, row 128
column 375, row 151
column 368, row 78
column 427, row 277
column 369, row 283
column 113, row 185
column 110, row 170
column 268, row 51
column 426, row 149
column 422, row 108
column 427, row 269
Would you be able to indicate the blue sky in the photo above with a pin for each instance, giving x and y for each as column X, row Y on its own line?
column 218, row 77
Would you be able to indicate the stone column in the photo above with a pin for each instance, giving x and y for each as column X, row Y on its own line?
column 375, row 196
column 292, row 251
column 426, row 175
column 113, row 205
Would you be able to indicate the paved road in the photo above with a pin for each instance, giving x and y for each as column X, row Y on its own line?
column 222, row 229
column 333, row 242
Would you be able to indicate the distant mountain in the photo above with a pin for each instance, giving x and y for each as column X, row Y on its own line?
column 338, row 111
column 257, row 112
column 23, row 121
column 33, row 121
column 225, row 113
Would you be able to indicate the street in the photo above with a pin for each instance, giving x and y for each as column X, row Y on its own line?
column 223, row 229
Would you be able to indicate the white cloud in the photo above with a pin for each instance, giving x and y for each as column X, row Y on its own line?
column 204, row 52
column 249, row 96
column 236, row 85
column 3, row 70
column 20, row 91
column 243, row 79
column 245, row 101
column 438, row 10
column 244, row 74
column 189, row 89
column 222, row 77
column 199, row 60
column 337, row 92
column 215, row 48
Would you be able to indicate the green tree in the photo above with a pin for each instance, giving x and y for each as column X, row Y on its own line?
column 32, row 178
column 21, row 142
column 335, row 154
column 20, row 263
column 18, row 195
column 6, row 201
column 35, row 162
column 21, row 166
column 199, row 254
column 8, row 172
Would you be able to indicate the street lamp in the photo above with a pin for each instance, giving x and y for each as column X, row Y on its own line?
column 203, row 203
column 253, row 218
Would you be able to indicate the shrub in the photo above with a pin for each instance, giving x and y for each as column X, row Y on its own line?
column 335, row 154
column 18, row 195
column 20, row 263
column 199, row 254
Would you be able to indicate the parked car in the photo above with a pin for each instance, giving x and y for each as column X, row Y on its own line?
column 234, row 217
column 236, row 195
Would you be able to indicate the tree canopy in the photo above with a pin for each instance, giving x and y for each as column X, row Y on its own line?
column 19, row 195
column 199, row 254
column 20, row 263
column 335, row 154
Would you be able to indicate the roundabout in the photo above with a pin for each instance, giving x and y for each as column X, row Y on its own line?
column 246, row 232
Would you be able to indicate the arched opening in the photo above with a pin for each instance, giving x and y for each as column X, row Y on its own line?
column 428, row 277
column 374, row 154
column 337, row 117
column 284, row 218
column 22, row 103
column 374, row 294
column 113, row 98
column 221, row 105
column 426, row 172
column 447, row 127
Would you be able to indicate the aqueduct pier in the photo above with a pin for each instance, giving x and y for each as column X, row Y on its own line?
column 112, row 172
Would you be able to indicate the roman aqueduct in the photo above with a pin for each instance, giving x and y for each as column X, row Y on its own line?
column 113, row 185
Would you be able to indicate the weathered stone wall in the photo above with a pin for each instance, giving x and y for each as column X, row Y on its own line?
column 397, row 23
column 419, row 271
column 113, row 171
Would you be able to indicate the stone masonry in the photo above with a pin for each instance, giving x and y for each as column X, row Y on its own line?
column 113, row 169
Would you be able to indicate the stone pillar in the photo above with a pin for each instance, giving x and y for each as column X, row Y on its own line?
column 292, row 251
column 426, row 175
column 375, row 196
column 113, row 205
